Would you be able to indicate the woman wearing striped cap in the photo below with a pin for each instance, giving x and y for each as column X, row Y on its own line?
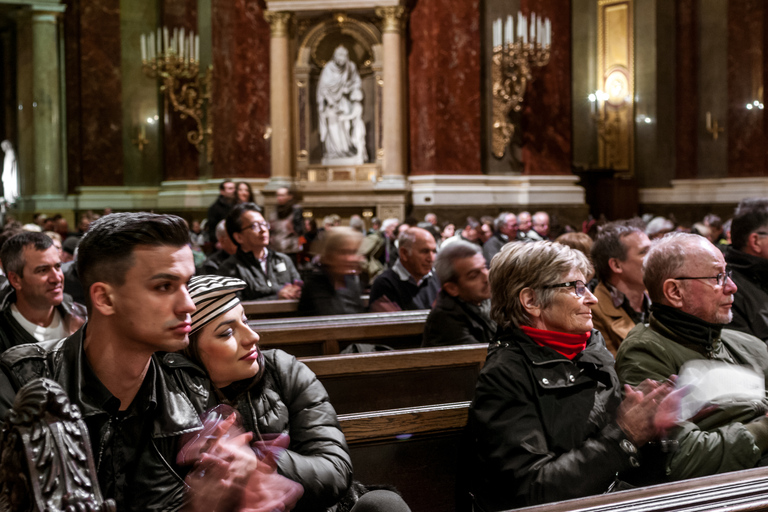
column 275, row 394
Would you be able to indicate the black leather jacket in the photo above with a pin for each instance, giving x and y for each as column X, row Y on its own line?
column 179, row 393
column 289, row 399
column 280, row 271
column 543, row 427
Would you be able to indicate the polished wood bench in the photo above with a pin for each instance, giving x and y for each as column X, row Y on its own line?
column 399, row 378
column 277, row 308
column 416, row 449
column 322, row 335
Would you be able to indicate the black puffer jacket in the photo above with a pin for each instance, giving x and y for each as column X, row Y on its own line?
column 289, row 399
column 543, row 427
column 750, row 303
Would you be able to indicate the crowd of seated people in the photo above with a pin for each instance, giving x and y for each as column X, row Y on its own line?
column 586, row 336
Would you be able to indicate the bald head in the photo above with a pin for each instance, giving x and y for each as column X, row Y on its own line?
column 417, row 251
column 687, row 272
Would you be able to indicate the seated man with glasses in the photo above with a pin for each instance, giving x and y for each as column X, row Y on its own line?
column 269, row 274
column 748, row 257
column 692, row 294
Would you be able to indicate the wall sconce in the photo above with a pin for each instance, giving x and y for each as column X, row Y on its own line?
column 755, row 105
column 513, row 59
column 713, row 127
column 174, row 57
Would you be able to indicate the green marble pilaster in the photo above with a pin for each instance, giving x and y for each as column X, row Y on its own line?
column 46, row 102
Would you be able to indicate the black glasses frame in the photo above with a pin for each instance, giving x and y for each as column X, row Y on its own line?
column 721, row 278
column 579, row 287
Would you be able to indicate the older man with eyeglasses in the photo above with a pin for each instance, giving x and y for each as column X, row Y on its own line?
column 692, row 294
column 269, row 274
column 748, row 258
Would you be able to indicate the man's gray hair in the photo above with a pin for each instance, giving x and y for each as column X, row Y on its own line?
column 386, row 223
column 498, row 222
column 665, row 259
column 357, row 223
column 532, row 265
column 406, row 240
column 221, row 229
column 446, row 259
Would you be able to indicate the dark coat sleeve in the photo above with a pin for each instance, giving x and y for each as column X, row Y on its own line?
column 318, row 457
column 447, row 327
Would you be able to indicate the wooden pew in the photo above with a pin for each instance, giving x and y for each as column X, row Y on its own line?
column 418, row 451
column 319, row 335
column 415, row 449
column 277, row 308
column 399, row 378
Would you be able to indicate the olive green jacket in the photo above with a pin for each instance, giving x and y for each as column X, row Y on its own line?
column 718, row 442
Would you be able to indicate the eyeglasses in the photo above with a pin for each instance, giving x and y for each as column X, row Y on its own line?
column 578, row 287
column 721, row 278
column 258, row 226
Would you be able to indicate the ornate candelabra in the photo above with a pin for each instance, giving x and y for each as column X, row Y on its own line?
column 174, row 58
column 513, row 59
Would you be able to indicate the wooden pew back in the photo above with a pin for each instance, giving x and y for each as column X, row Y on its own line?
column 400, row 378
column 320, row 335
column 277, row 308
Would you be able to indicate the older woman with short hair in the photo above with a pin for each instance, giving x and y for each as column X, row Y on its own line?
column 548, row 421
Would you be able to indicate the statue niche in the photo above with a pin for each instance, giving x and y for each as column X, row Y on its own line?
column 338, row 92
column 340, row 111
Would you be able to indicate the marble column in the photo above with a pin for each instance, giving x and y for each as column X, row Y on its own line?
column 46, row 104
column 280, row 89
column 393, row 95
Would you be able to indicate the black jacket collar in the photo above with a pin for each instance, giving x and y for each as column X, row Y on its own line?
column 687, row 330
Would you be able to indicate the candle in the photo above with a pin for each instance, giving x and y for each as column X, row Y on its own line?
column 525, row 30
column 509, row 34
column 165, row 38
column 709, row 121
column 143, row 47
column 519, row 25
column 533, row 27
column 197, row 48
column 151, row 46
column 181, row 43
column 495, row 32
column 548, row 33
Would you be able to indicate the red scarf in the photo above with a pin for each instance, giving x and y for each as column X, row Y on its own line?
column 569, row 345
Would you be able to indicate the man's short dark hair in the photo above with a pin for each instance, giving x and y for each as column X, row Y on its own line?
column 233, row 223
column 221, row 185
column 12, row 252
column 608, row 244
column 445, row 263
column 105, row 253
column 751, row 215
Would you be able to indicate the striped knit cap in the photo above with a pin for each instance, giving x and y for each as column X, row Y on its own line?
column 213, row 296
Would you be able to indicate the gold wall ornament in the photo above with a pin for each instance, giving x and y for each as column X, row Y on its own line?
column 174, row 58
column 394, row 18
column 141, row 139
column 714, row 129
column 513, row 60
column 279, row 23
column 616, row 77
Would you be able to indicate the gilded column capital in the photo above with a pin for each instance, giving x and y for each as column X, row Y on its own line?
column 394, row 18
column 279, row 22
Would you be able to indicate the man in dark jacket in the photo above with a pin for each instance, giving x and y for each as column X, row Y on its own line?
column 692, row 294
column 36, row 309
column 461, row 313
column 410, row 283
column 504, row 230
column 268, row 274
column 748, row 258
column 220, row 208
column 134, row 267
column 225, row 248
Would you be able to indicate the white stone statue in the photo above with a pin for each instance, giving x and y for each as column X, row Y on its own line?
column 340, row 111
column 10, row 173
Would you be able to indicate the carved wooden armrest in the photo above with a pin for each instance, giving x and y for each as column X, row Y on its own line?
column 46, row 463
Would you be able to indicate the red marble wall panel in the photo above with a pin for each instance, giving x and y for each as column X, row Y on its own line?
column 100, row 92
column 72, row 98
column 686, row 89
column 444, row 87
column 180, row 158
column 546, row 119
column 746, row 130
column 240, row 88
